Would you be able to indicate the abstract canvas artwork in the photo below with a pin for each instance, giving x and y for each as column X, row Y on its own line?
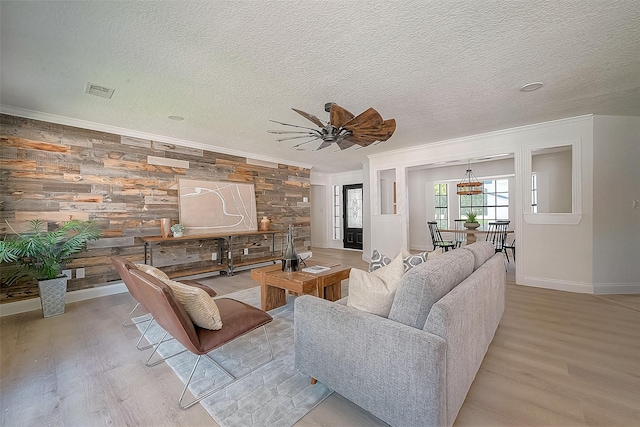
column 210, row 207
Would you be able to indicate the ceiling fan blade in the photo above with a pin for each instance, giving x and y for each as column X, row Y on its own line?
column 367, row 119
column 295, row 126
column 339, row 116
column 382, row 133
column 389, row 126
column 308, row 116
column 344, row 144
column 306, row 142
column 356, row 141
column 324, row 144
column 295, row 137
column 283, row 132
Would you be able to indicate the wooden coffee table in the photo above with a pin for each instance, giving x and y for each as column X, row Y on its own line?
column 274, row 284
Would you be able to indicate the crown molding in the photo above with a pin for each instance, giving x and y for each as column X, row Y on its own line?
column 100, row 127
column 480, row 136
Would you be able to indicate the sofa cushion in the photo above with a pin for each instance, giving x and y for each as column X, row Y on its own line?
column 481, row 251
column 425, row 284
column 374, row 292
column 200, row 307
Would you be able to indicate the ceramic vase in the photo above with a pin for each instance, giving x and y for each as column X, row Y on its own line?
column 264, row 224
column 165, row 227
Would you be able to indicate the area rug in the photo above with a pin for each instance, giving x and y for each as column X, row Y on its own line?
column 275, row 394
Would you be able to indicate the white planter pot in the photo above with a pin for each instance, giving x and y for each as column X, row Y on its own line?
column 53, row 295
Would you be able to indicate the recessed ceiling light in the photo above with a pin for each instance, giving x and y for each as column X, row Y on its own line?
column 176, row 118
column 530, row 87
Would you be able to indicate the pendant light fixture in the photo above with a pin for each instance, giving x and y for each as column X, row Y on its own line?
column 469, row 185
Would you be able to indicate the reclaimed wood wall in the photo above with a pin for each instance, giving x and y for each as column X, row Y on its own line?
column 126, row 185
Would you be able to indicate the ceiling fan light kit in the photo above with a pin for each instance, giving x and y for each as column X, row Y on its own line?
column 343, row 128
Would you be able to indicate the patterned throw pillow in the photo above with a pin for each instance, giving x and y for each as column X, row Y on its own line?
column 378, row 260
column 152, row 271
column 200, row 307
column 412, row 260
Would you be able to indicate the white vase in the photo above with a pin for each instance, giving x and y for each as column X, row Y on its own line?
column 178, row 234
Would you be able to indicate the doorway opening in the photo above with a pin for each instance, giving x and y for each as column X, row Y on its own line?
column 352, row 216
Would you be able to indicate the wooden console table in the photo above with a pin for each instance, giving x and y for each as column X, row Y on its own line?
column 222, row 238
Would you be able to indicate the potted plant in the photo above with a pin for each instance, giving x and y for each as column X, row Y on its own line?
column 177, row 230
column 42, row 254
column 471, row 222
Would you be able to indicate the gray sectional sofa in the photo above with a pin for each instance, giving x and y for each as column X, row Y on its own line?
column 415, row 367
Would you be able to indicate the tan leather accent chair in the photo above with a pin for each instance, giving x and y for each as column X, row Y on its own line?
column 237, row 317
column 123, row 266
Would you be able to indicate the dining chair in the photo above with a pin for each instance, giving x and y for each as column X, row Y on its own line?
column 122, row 266
column 436, row 238
column 511, row 246
column 238, row 319
column 497, row 234
column 460, row 236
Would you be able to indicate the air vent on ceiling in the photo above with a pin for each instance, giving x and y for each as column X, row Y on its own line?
column 97, row 90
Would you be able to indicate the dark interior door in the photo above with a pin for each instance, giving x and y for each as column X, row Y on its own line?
column 352, row 214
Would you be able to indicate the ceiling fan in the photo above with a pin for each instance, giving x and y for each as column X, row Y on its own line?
column 343, row 128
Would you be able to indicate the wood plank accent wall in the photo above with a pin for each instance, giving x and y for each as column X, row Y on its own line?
column 56, row 173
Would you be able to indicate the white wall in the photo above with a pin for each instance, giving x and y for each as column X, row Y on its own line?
column 540, row 262
column 616, row 223
column 387, row 192
column 320, row 218
column 328, row 181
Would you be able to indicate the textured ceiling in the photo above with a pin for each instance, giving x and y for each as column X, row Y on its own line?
column 442, row 69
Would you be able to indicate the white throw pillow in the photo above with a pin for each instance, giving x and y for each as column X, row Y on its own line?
column 374, row 292
column 152, row 271
column 200, row 307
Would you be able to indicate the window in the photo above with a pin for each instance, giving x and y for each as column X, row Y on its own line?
column 491, row 205
column 441, row 206
column 337, row 216
column 534, row 193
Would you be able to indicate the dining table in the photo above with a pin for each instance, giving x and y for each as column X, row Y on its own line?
column 471, row 233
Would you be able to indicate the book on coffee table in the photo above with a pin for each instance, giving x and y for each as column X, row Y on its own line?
column 316, row 269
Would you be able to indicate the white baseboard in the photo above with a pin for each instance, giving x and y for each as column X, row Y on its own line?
column 83, row 294
column 558, row 285
column 616, row 288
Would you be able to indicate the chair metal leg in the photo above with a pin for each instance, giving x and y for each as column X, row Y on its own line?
column 142, row 336
column 155, row 349
column 129, row 318
column 227, row 373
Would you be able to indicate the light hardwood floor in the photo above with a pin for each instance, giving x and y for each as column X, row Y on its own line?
column 557, row 359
